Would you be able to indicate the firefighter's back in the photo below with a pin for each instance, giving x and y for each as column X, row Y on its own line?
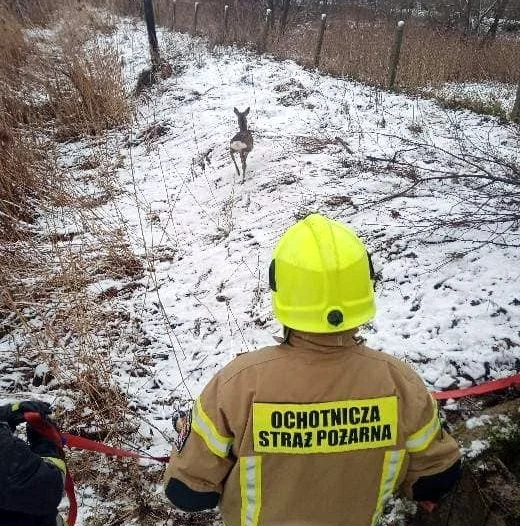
column 319, row 431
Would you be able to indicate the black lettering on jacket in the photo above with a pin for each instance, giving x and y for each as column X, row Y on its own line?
column 374, row 414
column 343, row 439
column 263, row 438
column 353, row 435
column 364, row 434
column 387, row 432
column 276, row 419
column 375, row 433
column 298, row 440
column 286, row 440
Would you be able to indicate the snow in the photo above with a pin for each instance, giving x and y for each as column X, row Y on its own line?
column 103, row 285
column 447, row 306
column 443, row 315
column 476, row 448
column 492, row 93
column 477, row 421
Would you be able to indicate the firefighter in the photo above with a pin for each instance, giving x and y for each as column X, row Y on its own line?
column 320, row 429
column 31, row 475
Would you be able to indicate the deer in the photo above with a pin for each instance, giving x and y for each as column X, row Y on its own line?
column 242, row 142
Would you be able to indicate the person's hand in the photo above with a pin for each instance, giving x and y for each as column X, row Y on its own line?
column 41, row 445
column 13, row 413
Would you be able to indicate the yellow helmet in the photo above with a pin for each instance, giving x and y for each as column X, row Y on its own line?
column 321, row 277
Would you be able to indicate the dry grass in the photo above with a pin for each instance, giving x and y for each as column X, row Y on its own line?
column 86, row 93
column 20, row 153
column 24, row 167
column 13, row 46
column 70, row 329
column 359, row 48
column 83, row 83
column 34, row 12
column 76, row 334
column 46, row 87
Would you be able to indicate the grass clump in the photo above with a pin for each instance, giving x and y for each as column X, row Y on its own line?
column 86, row 93
column 505, row 441
column 490, row 105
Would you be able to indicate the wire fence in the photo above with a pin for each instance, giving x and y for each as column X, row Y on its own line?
column 357, row 42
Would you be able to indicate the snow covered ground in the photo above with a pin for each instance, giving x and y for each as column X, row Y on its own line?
column 448, row 300
column 489, row 93
column 445, row 314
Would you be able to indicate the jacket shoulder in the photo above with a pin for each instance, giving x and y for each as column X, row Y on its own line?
column 250, row 360
column 396, row 366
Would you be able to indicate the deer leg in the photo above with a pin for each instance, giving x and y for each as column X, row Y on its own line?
column 232, row 153
column 243, row 157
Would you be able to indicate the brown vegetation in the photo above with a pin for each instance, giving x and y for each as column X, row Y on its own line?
column 23, row 162
column 49, row 90
column 86, row 93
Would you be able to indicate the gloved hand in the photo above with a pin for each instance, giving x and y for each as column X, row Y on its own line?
column 41, row 445
column 12, row 414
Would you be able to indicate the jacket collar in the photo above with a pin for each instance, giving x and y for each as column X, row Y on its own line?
column 322, row 342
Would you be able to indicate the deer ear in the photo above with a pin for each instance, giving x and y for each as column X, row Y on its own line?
column 236, row 111
column 247, row 111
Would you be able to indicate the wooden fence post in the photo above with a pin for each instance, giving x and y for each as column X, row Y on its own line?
column 270, row 5
column 515, row 114
column 152, row 35
column 226, row 22
column 195, row 17
column 235, row 21
column 396, row 53
column 265, row 32
column 174, row 14
column 319, row 43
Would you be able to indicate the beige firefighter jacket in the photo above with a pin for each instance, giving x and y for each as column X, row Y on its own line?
column 316, row 431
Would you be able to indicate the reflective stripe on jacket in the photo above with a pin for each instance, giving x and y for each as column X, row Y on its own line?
column 316, row 431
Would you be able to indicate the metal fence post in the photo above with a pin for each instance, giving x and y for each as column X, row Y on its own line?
column 319, row 43
column 265, row 32
column 396, row 53
column 152, row 35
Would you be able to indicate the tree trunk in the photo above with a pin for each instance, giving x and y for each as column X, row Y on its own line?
column 499, row 13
